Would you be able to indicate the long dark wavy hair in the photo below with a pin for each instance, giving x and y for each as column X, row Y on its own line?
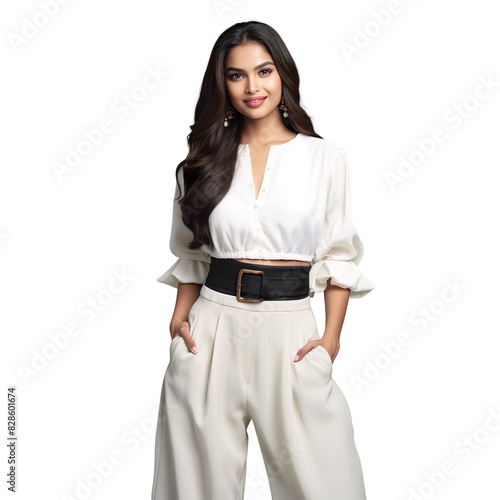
column 209, row 166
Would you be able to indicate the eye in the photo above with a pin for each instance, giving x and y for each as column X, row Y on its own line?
column 263, row 72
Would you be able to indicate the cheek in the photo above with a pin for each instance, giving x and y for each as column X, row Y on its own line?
column 273, row 83
column 232, row 91
column 272, row 86
column 236, row 92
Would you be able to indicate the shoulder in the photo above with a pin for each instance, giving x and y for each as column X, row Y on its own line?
column 326, row 150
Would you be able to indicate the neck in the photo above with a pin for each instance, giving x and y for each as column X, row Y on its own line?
column 264, row 130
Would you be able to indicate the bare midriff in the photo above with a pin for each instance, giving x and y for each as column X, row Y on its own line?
column 275, row 262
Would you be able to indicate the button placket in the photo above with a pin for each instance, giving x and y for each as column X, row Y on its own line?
column 264, row 188
column 256, row 223
column 267, row 172
column 248, row 170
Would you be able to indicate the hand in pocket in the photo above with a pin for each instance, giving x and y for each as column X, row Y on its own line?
column 182, row 329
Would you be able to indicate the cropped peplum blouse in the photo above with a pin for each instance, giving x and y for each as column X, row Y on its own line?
column 303, row 211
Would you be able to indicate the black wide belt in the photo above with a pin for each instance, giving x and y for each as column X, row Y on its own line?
column 257, row 282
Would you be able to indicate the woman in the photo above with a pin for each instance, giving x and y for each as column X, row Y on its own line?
column 264, row 222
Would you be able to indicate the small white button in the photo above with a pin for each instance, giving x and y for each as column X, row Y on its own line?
column 255, row 206
column 268, row 168
column 264, row 189
column 250, row 186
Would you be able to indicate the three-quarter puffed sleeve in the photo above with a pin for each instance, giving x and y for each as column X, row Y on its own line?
column 192, row 266
column 340, row 249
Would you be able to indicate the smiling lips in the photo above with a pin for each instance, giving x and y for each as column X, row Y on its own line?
column 254, row 102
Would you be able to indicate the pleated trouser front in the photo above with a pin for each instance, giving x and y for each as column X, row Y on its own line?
column 244, row 371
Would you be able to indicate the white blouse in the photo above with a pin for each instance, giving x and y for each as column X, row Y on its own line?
column 302, row 212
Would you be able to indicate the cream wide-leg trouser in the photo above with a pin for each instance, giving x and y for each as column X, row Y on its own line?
column 244, row 370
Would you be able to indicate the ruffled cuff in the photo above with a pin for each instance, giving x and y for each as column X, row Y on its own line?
column 185, row 271
column 345, row 274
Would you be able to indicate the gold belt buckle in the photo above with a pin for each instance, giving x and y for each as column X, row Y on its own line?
column 238, row 286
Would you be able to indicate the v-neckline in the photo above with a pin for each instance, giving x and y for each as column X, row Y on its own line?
column 257, row 199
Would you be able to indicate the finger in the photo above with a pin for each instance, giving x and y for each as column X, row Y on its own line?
column 190, row 343
column 300, row 354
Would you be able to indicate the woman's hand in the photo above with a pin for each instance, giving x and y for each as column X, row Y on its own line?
column 187, row 294
column 332, row 347
column 182, row 328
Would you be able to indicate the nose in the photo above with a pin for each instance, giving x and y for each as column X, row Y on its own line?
column 252, row 85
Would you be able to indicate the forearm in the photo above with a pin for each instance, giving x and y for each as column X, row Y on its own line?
column 187, row 294
column 336, row 300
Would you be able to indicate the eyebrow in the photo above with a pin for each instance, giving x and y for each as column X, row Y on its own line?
column 256, row 67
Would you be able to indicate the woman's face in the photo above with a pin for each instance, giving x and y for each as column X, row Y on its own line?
column 250, row 74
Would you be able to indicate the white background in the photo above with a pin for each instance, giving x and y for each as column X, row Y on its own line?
column 61, row 238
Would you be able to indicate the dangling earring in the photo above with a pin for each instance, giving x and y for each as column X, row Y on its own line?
column 283, row 107
column 229, row 115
